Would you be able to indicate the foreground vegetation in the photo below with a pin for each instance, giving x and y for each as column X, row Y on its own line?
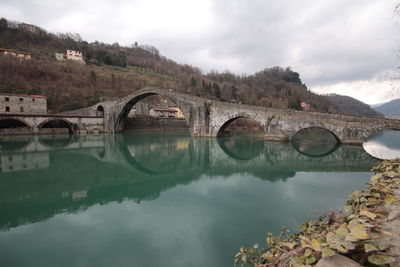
column 363, row 234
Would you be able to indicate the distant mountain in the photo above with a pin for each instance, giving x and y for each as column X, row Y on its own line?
column 390, row 109
column 351, row 106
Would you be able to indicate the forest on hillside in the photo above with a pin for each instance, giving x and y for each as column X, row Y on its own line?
column 113, row 71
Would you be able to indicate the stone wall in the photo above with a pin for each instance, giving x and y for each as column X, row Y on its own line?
column 161, row 124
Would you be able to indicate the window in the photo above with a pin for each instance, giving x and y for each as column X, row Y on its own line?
column 21, row 109
column 7, row 99
column 21, row 99
column 7, row 109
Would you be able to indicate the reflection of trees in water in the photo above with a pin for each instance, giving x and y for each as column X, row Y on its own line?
column 241, row 147
column 277, row 175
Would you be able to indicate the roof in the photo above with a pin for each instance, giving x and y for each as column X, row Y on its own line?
column 24, row 95
column 164, row 109
column 14, row 51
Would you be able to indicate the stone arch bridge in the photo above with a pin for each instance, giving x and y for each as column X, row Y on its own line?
column 41, row 123
column 206, row 117
column 209, row 117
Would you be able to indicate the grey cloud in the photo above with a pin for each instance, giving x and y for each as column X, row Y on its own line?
column 325, row 41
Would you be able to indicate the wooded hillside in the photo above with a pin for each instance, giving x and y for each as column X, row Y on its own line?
column 113, row 71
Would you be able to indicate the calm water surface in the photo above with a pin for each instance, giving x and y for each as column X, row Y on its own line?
column 161, row 199
column 384, row 144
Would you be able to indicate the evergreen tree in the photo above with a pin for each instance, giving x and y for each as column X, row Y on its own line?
column 3, row 24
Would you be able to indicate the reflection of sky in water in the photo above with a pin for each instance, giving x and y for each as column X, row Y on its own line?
column 384, row 145
column 203, row 223
column 151, row 199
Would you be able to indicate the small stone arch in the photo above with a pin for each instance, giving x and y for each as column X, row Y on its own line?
column 129, row 101
column 55, row 122
column 220, row 129
column 14, row 126
column 11, row 122
column 100, row 111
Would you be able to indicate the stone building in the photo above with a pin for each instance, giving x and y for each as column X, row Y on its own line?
column 17, row 54
column 75, row 56
column 59, row 56
column 179, row 113
column 23, row 104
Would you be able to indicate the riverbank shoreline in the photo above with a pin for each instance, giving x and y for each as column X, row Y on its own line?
column 368, row 234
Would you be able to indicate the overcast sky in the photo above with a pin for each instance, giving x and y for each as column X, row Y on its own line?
column 337, row 46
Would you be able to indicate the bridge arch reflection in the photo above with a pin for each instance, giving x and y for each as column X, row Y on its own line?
column 241, row 147
column 167, row 154
column 315, row 134
column 57, row 141
column 315, row 141
column 154, row 154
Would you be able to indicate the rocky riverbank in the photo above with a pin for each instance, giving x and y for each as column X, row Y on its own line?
column 366, row 234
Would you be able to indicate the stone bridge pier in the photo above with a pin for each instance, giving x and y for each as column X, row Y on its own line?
column 209, row 117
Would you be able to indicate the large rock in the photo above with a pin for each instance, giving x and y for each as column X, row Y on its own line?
column 336, row 261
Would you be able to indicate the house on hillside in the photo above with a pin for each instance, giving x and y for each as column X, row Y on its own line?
column 69, row 55
column 75, row 56
column 23, row 104
column 17, row 54
column 305, row 106
column 59, row 56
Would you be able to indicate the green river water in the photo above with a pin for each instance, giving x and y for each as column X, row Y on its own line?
column 161, row 199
